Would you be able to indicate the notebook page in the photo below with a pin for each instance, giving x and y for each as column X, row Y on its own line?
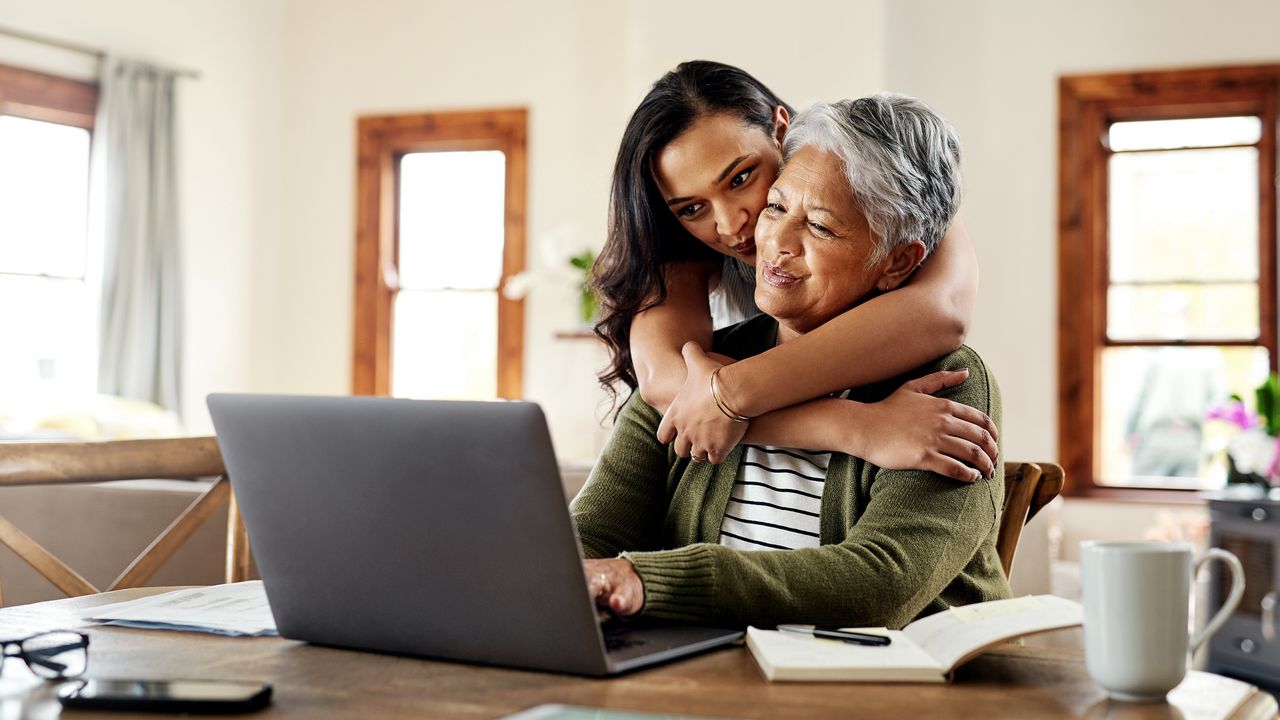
column 793, row 656
column 954, row 635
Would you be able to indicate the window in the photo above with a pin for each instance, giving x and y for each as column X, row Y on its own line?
column 1167, row 291
column 48, row 290
column 440, row 229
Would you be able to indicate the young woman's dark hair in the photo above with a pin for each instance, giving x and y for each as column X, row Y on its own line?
column 643, row 234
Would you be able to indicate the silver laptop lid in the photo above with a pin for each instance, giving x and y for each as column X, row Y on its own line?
column 429, row 528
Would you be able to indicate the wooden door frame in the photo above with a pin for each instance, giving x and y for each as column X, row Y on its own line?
column 381, row 142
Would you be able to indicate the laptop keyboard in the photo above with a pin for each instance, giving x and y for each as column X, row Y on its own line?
column 620, row 641
column 619, row 635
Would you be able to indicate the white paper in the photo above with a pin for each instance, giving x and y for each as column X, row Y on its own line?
column 233, row 609
column 1205, row 695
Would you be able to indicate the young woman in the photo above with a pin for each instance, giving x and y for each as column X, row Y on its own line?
column 696, row 161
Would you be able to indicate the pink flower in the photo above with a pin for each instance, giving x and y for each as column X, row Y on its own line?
column 1235, row 413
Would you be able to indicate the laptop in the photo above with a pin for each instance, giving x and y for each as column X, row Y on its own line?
column 429, row 528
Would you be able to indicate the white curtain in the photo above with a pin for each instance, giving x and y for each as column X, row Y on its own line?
column 140, row 348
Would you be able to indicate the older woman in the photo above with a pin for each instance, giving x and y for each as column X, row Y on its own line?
column 783, row 535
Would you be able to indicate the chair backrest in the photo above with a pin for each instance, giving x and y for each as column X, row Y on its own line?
column 1028, row 487
column 65, row 463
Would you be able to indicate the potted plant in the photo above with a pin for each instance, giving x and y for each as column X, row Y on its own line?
column 588, row 306
column 1252, row 457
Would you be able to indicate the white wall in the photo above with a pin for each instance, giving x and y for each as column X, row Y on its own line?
column 821, row 51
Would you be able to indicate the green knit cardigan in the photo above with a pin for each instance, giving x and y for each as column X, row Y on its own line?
column 895, row 544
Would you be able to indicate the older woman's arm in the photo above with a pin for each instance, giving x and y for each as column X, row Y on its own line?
column 624, row 501
column 918, row 534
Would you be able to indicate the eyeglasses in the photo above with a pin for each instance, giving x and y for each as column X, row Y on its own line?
column 51, row 655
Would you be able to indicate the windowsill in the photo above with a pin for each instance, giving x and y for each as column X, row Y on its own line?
column 1149, row 496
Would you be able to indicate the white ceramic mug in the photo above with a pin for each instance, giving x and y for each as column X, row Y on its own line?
column 1136, row 605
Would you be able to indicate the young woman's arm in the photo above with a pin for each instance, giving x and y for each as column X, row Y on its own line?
column 657, row 334
column 879, row 339
column 909, row 430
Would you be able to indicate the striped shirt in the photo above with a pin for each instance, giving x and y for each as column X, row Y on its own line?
column 776, row 499
column 733, row 299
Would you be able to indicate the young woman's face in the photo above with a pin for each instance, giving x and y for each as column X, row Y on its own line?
column 715, row 177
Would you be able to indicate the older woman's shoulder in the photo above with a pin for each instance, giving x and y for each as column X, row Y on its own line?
column 962, row 357
column 749, row 337
column 980, row 390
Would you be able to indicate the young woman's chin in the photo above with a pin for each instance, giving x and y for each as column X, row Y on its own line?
column 745, row 251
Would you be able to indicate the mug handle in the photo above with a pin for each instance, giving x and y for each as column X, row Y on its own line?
column 1233, row 597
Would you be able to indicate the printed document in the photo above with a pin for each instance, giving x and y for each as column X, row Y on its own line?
column 238, row 609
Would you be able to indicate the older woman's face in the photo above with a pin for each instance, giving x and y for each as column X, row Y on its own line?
column 813, row 245
column 715, row 176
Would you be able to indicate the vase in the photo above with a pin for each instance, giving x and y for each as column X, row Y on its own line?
column 1235, row 477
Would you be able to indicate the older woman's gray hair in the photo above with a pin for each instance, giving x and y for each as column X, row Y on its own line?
column 901, row 161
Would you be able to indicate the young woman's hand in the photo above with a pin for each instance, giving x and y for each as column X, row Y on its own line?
column 693, row 421
column 614, row 584
column 912, row 429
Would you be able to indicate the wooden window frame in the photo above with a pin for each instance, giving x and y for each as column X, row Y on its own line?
column 382, row 141
column 40, row 96
column 1087, row 104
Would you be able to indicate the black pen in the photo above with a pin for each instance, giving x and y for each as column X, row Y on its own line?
column 830, row 633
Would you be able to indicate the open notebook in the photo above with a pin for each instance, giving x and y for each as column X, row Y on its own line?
column 927, row 650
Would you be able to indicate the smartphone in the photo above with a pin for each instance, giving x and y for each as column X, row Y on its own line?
column 171, row 696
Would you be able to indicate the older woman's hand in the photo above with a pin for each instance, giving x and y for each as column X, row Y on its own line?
column 614, row 584
column 912, row 429
column 693, row 422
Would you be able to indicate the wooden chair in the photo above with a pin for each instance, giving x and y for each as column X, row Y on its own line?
column 93, row 462
column 1028, row 487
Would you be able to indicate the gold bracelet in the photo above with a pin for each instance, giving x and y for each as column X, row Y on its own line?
column 720, row 403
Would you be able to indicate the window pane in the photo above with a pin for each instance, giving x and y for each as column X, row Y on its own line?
column 1198, row 132
column 49, row 340
column 1183, row 312
column 1154, row 402
column 1184, row 215
column 445, row 345
column 44, row 185
column 452, row 220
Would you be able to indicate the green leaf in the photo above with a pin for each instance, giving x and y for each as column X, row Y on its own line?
column 1268, row 399
column 583, row 260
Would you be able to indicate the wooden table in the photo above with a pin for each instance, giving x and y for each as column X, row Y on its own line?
column 1031, row 681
